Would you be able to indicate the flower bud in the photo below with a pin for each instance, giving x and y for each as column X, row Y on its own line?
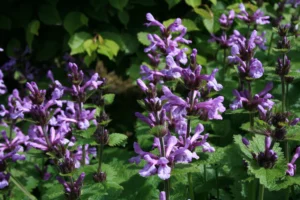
column 99, row 177
column 101, row 135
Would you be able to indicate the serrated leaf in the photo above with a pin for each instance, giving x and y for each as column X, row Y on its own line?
column 267, row 177
column 116, row 139
column 293, row 133
column 86, row 133
column 75, row 20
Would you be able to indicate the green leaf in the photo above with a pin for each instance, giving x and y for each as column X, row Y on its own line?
column 49, row 15
column 90, row 46
column 75, row 20
column 86, row 133
column 123, row 17
column 118, row 4
column 267, row 177
column 89, row 59
column 193, row 3
column 203, row 13
column 143, row 39
column 76, row 42
column 172, row 3
column 116, row 139
column 293, row 133
column 34, row 27
column 109, row 98
column 209, row 25
column 5, row 22
column 109, row 48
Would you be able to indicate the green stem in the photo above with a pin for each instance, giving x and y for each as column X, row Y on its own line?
column 270, row 44
column 191, row 187
column 217, row 184
column 11, row 129
column 287, row 97
column 252, row 194
column 204, row 174
column 261, row 192
column 283, row 93
column 22, row 188
column 167, row 181
column 100, row 153
column 251, row 116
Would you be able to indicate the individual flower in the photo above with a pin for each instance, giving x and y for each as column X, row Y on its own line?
column 256, row 18
column 4, row 180
column 291, row 165
column 226, row 21
column 260, row 101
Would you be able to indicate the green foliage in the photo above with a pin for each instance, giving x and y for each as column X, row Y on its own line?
column 75, row 20
column 116, row 139
column 267, row 177
column 49, row 15
column 108, row 98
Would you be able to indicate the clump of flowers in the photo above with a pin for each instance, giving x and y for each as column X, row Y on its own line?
column 169, row 112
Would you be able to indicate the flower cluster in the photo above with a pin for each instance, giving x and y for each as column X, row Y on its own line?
column 170, row 113
column 266, row 159
column 260, row 101
column 255, row 18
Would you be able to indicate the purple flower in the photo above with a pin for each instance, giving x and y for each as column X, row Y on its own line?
column 72, row 190
column 162, row 195
column 260, row 101
column 4, row 180
column 226, row 21
column 55, row 139
column 211, row 108
column 256, row 18
column 292, row 166
column 294, row 3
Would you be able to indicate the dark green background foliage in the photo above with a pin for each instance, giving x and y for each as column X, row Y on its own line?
column 109, row 36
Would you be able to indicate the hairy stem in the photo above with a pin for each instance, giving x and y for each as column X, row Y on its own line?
column 270, row 44
column 261, row 192
column 217, row 184
column 22, row 188
column 100, row 158
column 191, row 187
column 167, row 181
